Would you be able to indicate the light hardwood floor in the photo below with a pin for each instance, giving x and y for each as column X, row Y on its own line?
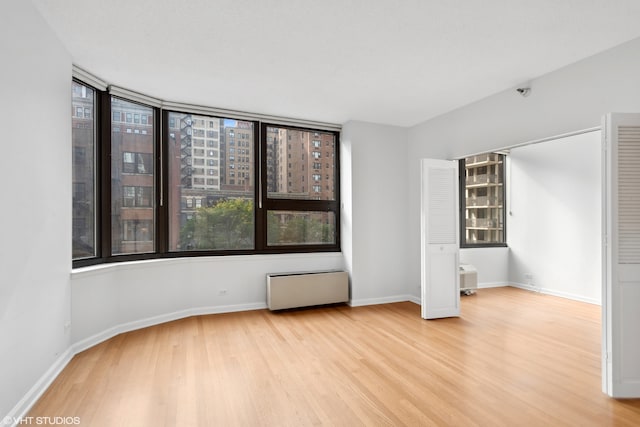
column 514, row 358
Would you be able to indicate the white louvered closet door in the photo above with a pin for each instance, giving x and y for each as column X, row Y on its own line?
column 621, row 269
column 439, row 239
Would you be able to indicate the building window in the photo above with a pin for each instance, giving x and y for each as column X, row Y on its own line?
column 140, row 163
column 137, row 197
column 482, row 200
column 136, row 232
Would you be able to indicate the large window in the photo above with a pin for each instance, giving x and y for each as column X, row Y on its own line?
column 132, row 181
column 83, row 134
column 176, row 183
column 482, row 200
column 210, row 213
column 301, row 192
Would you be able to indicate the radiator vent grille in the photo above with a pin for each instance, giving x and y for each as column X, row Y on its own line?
column 306, row 289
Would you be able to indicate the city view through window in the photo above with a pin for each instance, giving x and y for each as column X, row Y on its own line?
column 83, row 136
column 212, row 172
column 212, row 183
column 483, row 208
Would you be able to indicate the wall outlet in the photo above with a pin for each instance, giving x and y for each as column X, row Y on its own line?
column 528, row 277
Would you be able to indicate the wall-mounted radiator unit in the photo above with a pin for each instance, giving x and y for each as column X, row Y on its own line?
column 468, row 279
column 289, row 290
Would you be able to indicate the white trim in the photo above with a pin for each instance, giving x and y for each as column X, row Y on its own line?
column 547, row 291
column 131, row 95
column 382, row 300
column 99, row 269
column 241, row 115
column 157, row 320
column 415, row 299
column 628, row 390
column 505, row 150
column 88, row 78
column 21, row 409
column 487, row 285
column 31, row 397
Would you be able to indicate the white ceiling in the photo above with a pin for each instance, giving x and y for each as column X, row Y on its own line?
column 394, row 62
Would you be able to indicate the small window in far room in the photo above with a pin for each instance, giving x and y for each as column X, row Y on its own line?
column 482, row 200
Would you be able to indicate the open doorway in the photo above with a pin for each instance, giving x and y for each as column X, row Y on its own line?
column 553, row 220
column 554, row 217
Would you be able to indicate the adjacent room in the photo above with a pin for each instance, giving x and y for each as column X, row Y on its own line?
column 164, row 160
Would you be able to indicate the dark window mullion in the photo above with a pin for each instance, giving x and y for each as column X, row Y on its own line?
column 260, row 185
column 105, row 175
column 302, row 205
column 162, row 180
column 462, row 203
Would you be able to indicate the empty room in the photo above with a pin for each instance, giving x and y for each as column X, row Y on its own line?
column 320, row 213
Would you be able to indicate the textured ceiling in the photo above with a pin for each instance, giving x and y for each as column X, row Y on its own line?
column 394, row 62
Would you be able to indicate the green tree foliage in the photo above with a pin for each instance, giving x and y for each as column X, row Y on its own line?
column 303, row 229
column 227, row 225
column 299, row 229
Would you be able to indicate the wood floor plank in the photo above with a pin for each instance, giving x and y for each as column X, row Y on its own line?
column 513, row 358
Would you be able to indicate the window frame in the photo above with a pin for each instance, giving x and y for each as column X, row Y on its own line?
column 104, row 122
column 97, row 168
column 462, row 183
column 299, row 205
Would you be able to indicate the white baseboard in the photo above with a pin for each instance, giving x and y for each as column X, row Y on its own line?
column 31, row 397
column 382, row 300
column 492, row 285
column 555, row 293
column 415, row 299
column 156, row 320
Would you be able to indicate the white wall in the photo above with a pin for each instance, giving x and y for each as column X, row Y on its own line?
column 380, row 204
column 113, row 298
column 35, row 171
column 491, row 264
column 374, row 240
column 567, row 100
column 554, row 230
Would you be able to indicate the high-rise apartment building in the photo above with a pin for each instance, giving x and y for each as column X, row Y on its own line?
column 300, row 164
column 484, row 199
column 132, row 177
column 238, row 155
column 210, row 160
column 83, row 143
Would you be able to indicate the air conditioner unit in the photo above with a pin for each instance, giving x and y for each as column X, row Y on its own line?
column 468, row 279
